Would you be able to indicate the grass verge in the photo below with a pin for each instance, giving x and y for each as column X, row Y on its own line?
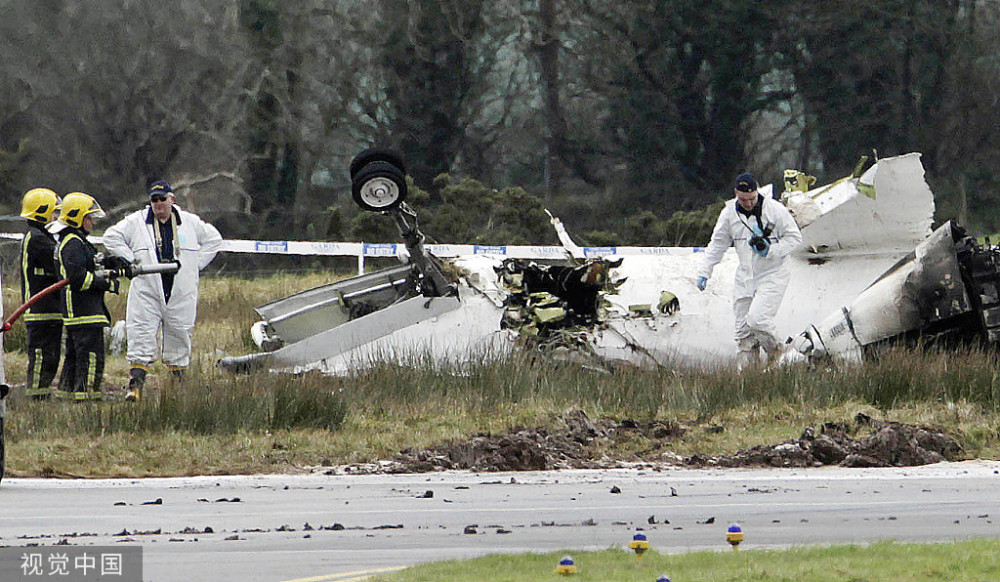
column 215, row 422
column 965, row 561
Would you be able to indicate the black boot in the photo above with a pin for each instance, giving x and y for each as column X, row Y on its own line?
column 137, row 378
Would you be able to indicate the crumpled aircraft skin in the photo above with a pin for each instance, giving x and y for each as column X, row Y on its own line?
column 856, row 229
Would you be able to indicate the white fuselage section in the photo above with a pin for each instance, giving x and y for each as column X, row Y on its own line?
column 850, row 239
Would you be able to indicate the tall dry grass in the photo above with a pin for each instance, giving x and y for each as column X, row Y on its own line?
column 898, row 378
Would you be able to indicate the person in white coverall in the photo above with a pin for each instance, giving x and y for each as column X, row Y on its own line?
column 166, row 303
column 764, row 234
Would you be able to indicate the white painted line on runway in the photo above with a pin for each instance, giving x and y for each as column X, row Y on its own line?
column 348, row 576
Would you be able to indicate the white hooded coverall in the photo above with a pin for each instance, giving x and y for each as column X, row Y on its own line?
column 760, row 281
column 196, row 244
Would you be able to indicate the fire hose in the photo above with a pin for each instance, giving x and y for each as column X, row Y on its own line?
column 121, row 269
column 128, row 270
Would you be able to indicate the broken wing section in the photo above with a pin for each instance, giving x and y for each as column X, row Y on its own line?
column 294, row 318
column 842, row 216
column 360, row 322
column 450, row 339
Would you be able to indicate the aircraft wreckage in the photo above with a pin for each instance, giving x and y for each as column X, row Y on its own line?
column 870, row 272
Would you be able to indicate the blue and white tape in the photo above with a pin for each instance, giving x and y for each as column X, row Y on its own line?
column 362, row 249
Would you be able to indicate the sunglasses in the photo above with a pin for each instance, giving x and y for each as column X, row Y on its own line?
column 157, row 198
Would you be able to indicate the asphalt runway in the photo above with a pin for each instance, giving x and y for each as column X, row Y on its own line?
column 339, row 528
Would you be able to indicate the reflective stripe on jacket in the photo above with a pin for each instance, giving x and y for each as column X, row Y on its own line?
column 38, row 271
column 83, row 297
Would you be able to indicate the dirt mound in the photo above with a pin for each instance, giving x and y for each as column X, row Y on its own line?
column 570, row 446
column 577, row 442
column 890, row 444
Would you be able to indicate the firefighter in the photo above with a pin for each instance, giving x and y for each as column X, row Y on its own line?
column 84, row 312
column 165, row 304
column 43, row 320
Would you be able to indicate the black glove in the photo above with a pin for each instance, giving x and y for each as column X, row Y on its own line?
column 116, row 263
column 107, row 279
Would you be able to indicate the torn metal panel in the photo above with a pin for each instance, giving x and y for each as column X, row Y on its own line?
column 305, row 314
column 572, row 249
column 701, row 332
column 348, row 336
column 451, row 340
column 847, row 219
column 945, row 290
column 543, row 298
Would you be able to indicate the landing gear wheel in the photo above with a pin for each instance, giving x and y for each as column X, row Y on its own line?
column 379, row 186
column 376, row 155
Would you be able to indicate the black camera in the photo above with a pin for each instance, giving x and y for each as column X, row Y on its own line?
column 759, row 243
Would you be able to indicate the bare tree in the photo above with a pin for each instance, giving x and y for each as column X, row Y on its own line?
column 430, row 64
column 118, row 94
column 548, row 47
column 301, row 115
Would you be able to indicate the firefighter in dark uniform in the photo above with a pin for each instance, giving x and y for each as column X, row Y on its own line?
column 83, row 310
column 43, row 320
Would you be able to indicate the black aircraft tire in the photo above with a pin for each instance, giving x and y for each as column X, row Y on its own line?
column 376, row 155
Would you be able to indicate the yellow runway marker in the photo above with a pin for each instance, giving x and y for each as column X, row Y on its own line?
column 348, row 576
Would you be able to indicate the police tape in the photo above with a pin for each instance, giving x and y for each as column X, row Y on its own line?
column 363, row 249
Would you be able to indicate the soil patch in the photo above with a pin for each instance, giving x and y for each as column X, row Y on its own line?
column 578, row 442
column 887, row 444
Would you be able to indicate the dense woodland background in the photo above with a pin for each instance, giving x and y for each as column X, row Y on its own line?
column 628, row 119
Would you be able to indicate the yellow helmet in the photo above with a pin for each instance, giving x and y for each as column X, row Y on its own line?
column 39, row 204
column 77, row 205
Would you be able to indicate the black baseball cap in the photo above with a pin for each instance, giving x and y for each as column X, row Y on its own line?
column 746, row 182
column 160, row 188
